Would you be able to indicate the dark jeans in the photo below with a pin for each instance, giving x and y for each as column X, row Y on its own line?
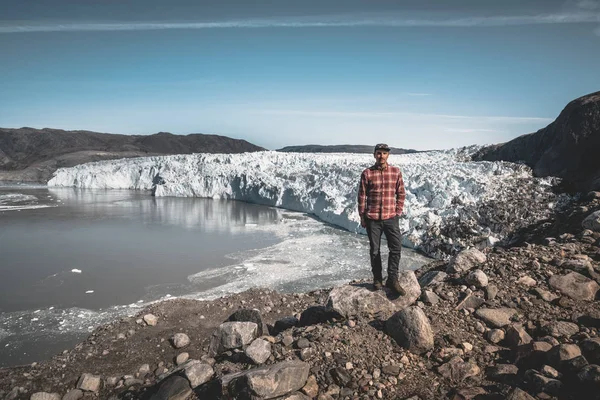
column 391, row 229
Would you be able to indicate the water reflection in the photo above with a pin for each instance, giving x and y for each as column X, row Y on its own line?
column 203, row 215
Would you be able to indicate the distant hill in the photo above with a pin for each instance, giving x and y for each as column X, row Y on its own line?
column 568, row 147
column 32, row 155
column 341, row 148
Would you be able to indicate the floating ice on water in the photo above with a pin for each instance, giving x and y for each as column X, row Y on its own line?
column 76, row 271
column 89, row 291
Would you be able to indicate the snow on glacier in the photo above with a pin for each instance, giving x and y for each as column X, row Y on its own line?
column 439, row 184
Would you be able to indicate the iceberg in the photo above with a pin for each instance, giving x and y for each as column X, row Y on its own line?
column 445, row 191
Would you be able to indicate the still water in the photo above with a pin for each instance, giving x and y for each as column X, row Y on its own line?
column 72, row 259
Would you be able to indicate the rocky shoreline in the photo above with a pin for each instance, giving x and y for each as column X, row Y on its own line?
column 516, row 322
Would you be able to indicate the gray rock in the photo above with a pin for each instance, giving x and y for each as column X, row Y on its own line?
column 317, row 315
column 150, row 319
column 74, row 394
column 249, row 315
column 259, row 351
column 541, row 383
column 477, row 278
column 89, row 383
column 562, row 352
column 232, row 335
column 465, row 261
column 526, row 280
column 269, row 381
column 591, row 350
column 303, row 343
column 471, row 301
column 198, row 373
column 410, row 328
column 173, row 388
column 181, row 358
column 457, row 370
column 575, row 285
column 592, row 222
column 491, row 291
column 432, row 278
column 295, row 396
column 519, row 394
column 501, row 372
column 560, row 329
column 590, row 374
column 550, row 372
column 350, row 301
column 495, row 317
column 409, row 283
column 544, row 294
column 516, row 335
column 287, row 340
column 429, row 297
column 45, row 396
column 495, row 335
column 284, row 324
column 180, row 340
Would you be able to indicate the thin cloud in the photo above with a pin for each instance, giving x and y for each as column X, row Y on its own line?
column 313, row 22
column 375, row 114
column 418, row 94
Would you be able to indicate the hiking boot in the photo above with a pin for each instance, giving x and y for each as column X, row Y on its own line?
column 378, row 284
column 393, row 284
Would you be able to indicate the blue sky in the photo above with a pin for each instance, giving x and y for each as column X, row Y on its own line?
column 414, row 74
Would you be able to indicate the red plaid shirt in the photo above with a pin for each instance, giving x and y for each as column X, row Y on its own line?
column 381, row 194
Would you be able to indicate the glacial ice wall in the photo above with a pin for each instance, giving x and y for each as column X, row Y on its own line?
column 441, row 186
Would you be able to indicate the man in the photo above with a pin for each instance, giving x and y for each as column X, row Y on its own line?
column 380, row 202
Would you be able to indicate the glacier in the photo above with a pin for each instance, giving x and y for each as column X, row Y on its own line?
column 450, row 203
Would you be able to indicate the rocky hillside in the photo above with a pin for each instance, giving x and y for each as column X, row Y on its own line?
column 567, row 148
column 342, row 148
column 516, row 323
column 32, row 155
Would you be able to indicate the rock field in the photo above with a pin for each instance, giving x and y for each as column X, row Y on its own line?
column 515, row 322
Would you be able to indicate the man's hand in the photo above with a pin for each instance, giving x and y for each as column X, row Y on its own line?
column 363, row 221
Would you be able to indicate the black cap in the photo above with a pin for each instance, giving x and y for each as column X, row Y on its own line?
column 382, row 147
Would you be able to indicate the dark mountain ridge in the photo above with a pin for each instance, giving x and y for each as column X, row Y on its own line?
column 568, row 148
column 342, row 148
column 32, row 155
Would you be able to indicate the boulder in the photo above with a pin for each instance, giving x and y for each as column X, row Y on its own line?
column 516, row 335
column 471, row 301
column 268, row 382
column 410, row 328
column 412, row 289
column 45, row 396
column 350, row 301
column 457, row 370
column 89, row 383
column 519, row 394
column 74, row 394
column 544, row 294
column 232, row 335
column 562, row 352
column 592, row 222
column 560, row 329
column 477, row 278
column 495, row 335
column 432, row 278
column 575, row 285
column 284, row 324
column 150, row 319
column 429, row 297
column 173, row 388
column 495, row 317
column 317, row 315
column 591, row 349
column 540, row 383
column 198, row 373
column 249, row 315
column 502, row 372
column 180, row 340
column 259, row 351
column 465, row 261
column 527, row 281
column 590, row 374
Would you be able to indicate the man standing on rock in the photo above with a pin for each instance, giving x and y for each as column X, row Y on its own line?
column 380, row 202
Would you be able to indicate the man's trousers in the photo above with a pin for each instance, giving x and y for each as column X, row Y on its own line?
column 391, row 229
